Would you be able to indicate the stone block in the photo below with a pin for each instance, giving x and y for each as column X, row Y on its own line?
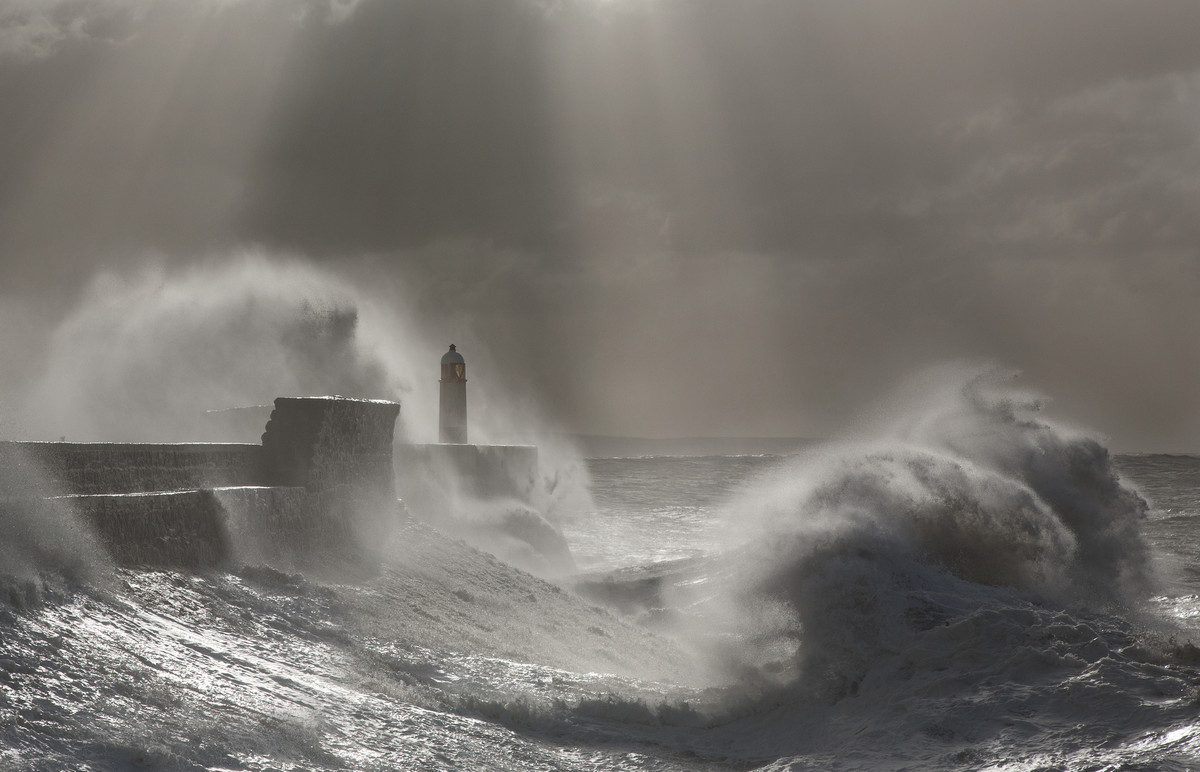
column 321, row 443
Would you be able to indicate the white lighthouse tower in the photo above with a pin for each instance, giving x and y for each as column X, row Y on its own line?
column 452, row 419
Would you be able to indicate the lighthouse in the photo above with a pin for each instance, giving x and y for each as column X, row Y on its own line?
column 452, row 420
column 433, row 479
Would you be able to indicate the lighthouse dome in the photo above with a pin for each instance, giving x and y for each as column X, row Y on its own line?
column 452, row 357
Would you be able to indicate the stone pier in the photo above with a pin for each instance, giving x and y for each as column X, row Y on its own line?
column 322, row 462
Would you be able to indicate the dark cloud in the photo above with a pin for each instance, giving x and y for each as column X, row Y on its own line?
column 408, row 122
column 659, row 216
column 703, row 125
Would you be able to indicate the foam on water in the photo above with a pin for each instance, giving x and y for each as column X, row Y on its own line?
column 972, row 583
column 447, row 659
column 969, row 588
column 657, row 508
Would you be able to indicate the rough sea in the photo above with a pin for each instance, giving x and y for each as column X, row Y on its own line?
column 976, row 588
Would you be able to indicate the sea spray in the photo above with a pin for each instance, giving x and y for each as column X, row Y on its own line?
column 970, row 582
column 987, row 421
column 850, row 552
column 143, row 356
column 43, row 540
column 151, row 354
column 451, row 659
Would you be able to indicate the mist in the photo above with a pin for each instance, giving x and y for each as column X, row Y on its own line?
column 649, row 218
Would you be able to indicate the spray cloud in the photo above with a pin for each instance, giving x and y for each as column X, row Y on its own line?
column 149, row 356
column 966, row 496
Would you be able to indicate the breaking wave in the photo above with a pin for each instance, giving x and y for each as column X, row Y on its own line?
column 966, row 590
column 855, row 540
column 974, row 569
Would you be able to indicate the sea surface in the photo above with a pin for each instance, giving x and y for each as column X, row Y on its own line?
column 1008, row 597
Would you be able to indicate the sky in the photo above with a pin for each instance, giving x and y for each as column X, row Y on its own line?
column 648, row 217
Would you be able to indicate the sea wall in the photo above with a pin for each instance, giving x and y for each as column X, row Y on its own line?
column 324, row 464
column 320, row 443
column 86, row 468
column 166, row 528
column 481, row 471
column 194, row 528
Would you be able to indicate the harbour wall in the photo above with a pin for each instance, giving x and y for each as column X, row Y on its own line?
column 85, row 468
column 321, row 463
column 478, row 471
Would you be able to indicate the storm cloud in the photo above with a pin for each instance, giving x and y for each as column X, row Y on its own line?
column 660, row 217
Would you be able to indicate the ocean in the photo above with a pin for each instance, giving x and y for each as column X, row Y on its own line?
column 982, row 590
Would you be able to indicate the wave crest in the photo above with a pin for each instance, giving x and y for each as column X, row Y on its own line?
column 972, row 499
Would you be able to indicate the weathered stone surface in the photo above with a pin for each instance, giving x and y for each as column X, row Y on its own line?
column 322, row 475
column 340, row 451
column 77, row 468
column 321, row 443
column 200, row 528
column 175, row 528
column 271, row 525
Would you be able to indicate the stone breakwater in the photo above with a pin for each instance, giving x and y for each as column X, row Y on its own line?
column 87, row 468
column 324, row 465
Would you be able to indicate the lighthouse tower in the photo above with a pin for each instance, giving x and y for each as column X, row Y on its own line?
column 452, row 423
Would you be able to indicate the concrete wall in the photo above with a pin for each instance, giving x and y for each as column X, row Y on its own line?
column 175, row 528
column 64, row 468
column 325, row 466
column 273, row 525
column 316, row 443
column 198, row 528
column 321, row 443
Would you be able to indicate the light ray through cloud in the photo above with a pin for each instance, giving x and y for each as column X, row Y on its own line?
column 853, row 188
